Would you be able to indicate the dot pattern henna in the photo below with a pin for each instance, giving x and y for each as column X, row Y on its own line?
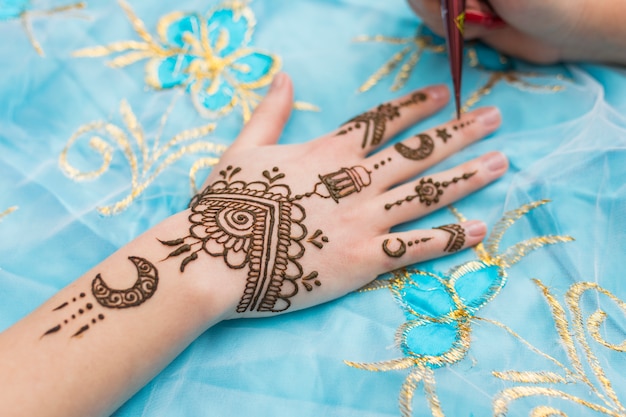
column 429, row 191
column 254, row 225
column 402, row 246
column 143, row 288
column 374, row 122
column 456, row 239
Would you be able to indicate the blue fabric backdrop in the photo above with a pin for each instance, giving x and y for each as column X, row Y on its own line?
column 103, row 134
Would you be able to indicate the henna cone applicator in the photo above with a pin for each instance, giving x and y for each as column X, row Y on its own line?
column 453, row 15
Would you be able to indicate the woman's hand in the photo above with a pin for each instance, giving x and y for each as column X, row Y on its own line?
column 290, row 226
column 544, row 31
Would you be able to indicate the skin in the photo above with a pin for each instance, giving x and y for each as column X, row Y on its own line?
column 94, row 372
column 546, row 32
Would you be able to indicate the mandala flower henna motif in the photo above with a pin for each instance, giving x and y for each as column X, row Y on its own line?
column 254, row 225
column 429, row 191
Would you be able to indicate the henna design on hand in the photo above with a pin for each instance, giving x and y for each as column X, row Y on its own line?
column 255, row 225
column 402, row 248
column 423, row 151
column 428, row 191
column 375, row 121
column 443, row 134
column 340, row 184
column 457, row 237
column 142, row 290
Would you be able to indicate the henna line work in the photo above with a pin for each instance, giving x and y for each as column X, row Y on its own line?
column 429, row 191
column 456, row 239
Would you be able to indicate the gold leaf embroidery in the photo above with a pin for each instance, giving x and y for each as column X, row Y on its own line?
column 145, row 162
column 7, row 212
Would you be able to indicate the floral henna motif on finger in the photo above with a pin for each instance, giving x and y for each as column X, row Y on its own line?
column 144, row 288
column 374, row 122
column 429, row 191
column 253, row 225
column 402, row 246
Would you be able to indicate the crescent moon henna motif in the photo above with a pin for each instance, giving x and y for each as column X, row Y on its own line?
column 423, row 151
column 144, row 287
column 394, row 253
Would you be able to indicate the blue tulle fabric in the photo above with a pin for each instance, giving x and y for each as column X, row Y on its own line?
column 97, row 147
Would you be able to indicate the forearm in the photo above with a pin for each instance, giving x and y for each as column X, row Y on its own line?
column 86, row 350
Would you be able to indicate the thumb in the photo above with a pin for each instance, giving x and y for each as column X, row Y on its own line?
column 269, row 118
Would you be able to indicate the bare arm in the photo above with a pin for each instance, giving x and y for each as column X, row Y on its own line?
column 276, row 229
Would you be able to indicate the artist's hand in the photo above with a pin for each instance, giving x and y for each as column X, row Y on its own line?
column 544, row 31
column 290, row 226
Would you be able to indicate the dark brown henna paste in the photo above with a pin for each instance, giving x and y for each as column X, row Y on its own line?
column 457, row 237
column 340, row 184
column 443, row 134
column 375, row 121
column 423, row 151
column 402, row 248
column 254, row 225
column 140, row 292
column 143, row 289
column 429, row 191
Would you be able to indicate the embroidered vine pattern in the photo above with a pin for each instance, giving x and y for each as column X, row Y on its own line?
column 429, row 191
column 374, row 122
column 84, row 309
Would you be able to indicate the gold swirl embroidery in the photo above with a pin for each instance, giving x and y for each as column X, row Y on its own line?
column 572, row 334
column 414, row 46
column 27, row 16
column 422, row 365
column 510, row 76
column 146, row 162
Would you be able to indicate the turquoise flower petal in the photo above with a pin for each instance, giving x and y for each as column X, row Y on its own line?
column 252, row 67
column 171, row 72
column 175, row 31
column 236, row 27
column 218, row 101
column 430, row 339
column 477, row 288
column 426, row 296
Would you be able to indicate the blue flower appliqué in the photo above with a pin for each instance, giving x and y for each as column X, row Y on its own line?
column 440, row 308
column 208, row 55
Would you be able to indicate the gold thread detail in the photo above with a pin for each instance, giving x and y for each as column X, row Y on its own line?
column 145, row 162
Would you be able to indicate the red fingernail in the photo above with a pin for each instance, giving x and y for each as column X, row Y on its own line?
column 486, row 19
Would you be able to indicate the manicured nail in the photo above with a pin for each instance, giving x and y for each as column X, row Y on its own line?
column 278, row 81
column 488, row 20
column 495, row 161
column 490, row 117
column 475, row 228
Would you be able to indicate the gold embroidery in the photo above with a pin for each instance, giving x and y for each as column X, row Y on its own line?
column 7, row 212
column 572, row 334
column 507, row 75
column 413, row 48
column 146, row 162
column 27, row 15
column 457, row 316
column 197, row 59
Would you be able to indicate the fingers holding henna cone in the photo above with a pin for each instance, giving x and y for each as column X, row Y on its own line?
column 395, row 250
column 376, row 126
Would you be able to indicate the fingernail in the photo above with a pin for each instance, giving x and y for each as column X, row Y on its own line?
column 438, row 92
column 277, row 82
column 490, row 117
column 475, row 228
column 495, row 161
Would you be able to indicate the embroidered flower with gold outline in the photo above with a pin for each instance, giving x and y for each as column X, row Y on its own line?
column 440, row 309
column 208, row 55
